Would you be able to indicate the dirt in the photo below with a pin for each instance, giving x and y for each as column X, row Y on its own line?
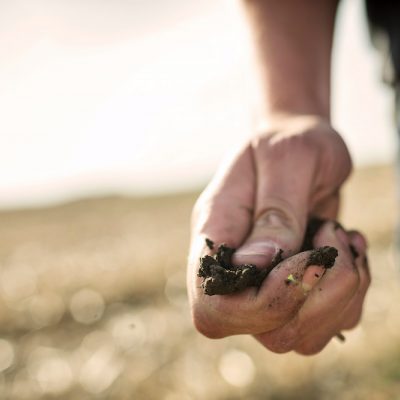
column 323, row 256
column 312, row 228
column 220, row 276
column 210, row 244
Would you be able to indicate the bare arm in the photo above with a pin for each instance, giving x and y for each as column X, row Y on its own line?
column 293, row 41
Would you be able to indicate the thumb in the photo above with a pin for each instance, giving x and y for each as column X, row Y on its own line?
column 286, row 170
column 275, row 230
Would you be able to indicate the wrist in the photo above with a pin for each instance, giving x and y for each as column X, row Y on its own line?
column 316, row 105
column 278, row 120
column 289, row 103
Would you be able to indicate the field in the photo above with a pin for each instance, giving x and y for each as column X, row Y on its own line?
column 93, row 305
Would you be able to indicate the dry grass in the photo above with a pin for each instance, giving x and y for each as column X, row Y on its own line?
column 93, row 305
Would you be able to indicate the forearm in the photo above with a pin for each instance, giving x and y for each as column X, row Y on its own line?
column 293, row 41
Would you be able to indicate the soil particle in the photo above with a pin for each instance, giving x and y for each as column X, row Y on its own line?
column 210, row 244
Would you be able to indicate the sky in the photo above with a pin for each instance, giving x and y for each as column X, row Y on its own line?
column 140, row 97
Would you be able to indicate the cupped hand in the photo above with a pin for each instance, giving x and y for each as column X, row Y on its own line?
column 259, row 203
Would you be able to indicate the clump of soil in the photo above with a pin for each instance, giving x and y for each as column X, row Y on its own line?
column 220, row 276
column 312, row 228
column 323, row 256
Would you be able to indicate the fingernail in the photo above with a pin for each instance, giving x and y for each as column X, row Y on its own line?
column 311, row 277
column 258, row 253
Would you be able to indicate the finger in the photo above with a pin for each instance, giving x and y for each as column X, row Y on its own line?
column 353, row 312
column 348, row 316
column 285, row 289
column 223, row 214
column 285, row 170
column 358, row 242
column 320, row 314
column 224, row 210
column 351, row 315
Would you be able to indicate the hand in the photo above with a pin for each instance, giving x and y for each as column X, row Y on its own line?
column 261, row 202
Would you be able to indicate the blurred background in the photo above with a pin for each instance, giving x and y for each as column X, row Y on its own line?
column 114, row 115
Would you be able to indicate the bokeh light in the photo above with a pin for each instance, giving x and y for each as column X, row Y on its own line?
column 6, row 354
column 237, row 368
column 87, row 306
column 100, row 370
column 46, row 309
column 18, row 281
column 49, row 368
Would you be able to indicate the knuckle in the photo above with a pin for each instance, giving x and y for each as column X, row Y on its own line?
column 279, row 217
column 338, row 160
column 204, row 324
column 309, row 348
column 276, row 215
column 281, row 340
column 352, row 323
column 299, row 143
column 277, row 346
column 353, row 320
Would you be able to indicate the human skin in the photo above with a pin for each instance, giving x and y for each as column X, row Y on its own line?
column 261, row 199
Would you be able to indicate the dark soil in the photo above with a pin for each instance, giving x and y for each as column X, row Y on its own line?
column 312, row 228
column 210, row 244
column 221, row 277
column 323, row 256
